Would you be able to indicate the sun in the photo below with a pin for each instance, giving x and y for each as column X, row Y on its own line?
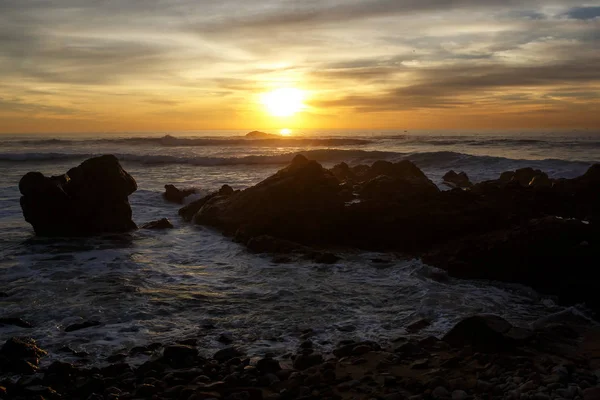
column 283, row 102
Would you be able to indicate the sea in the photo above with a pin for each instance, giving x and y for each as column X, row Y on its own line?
column 191, row 282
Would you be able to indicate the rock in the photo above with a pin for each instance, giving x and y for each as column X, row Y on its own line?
column 163, row 223
column 305, row 361
column 418, row 325
column 304, row 195
column 261, row 135
column 268, row 365
column 227, row 354
column 16, row 322
column 343, row 173
column 2, row 294
column 20, row 355
column 460, row 180
column 440, row 392
column 189, row 211
column 175, row 195
column 591, row 394
column 90, row 199
column 543, row 253
column 179, row 354
column 485, row 333
column 83, row 325
column 459, row 395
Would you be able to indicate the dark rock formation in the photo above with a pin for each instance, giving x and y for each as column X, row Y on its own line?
column 261, row 135
column 501, row 229
column 20, row 355
column 554, row 255
column 175, row 195
column 163, row 223
column 90, row 199
column 486, row 333
column 460, row 180
column 292, row 204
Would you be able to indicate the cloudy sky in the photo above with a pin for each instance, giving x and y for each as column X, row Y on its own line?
column 122, row 65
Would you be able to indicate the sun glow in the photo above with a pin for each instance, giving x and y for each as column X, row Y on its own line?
column 283, row 102
column 285, row 132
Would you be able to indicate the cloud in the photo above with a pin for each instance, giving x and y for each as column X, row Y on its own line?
column 583, row 13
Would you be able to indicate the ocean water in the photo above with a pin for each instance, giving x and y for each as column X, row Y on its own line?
column 191, row 282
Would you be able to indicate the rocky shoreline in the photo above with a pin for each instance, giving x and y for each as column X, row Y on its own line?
column 482, row 357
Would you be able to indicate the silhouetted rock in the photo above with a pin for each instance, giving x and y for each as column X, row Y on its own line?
column 261, row 135
column 175, row 195
column 486, row 333
column 292, row 204
column 343, row 172
column 460, row 180
column 554, row 255
column 90, row 199
column 189, row 211
column 163, row 223
column 20, row 355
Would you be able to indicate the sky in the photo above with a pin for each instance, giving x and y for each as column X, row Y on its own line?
column 158, row 65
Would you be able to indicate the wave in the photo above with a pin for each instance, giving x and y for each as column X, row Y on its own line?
column 172, row 141
column 426, row 160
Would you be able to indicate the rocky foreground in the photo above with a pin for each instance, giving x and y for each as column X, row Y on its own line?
column 482, row 357
column 522, row 227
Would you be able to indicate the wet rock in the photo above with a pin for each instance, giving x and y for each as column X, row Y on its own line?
column 343, row 173
column 83, row 325
column 418, row 325
column 305, row 361
column 90, row 199
column 180, row 355
column 543, row 253
column 485, row 333
column 591, row 394
column 162, row 223
column 304, row 194
column 270, row 244
column 15, row 322
column 460, row 180
column 227, row 354
column 460, row 395
column 268, row 365
column 175, row 195
column 20, row 355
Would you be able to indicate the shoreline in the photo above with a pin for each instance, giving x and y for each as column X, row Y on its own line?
column 482, row 357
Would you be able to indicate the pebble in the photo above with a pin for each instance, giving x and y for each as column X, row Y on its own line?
column 440, row 392
column 591, row 394
column 459, row 395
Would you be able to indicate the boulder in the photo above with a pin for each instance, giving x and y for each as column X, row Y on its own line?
column 189, row 211
column 261, row 135
column 299, row 203
column 20, row 355
column 343, row 173
column 90, row 199
column 175, row 195
column 553, row 255
column 486, row 333
column 460, row 180
column 163, row 223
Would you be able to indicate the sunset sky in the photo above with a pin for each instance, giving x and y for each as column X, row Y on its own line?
column 139, row 65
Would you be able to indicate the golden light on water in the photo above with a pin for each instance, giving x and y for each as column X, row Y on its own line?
column 283, row 102
column 285, row 132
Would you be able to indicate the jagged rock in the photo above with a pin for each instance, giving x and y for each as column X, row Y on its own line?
column 291, row 204
column 163, row 223
column 460, row 180
column 20, row 355
column 90, row 199
column 175, row 195
column 343, row 173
